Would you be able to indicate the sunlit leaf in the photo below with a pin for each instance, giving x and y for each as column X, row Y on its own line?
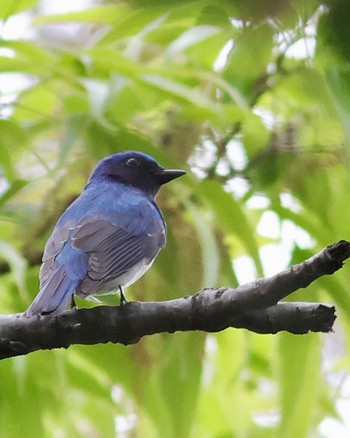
column 210, row 250
column 230, row 216
column 190, row 38
column 10, row 7
column 299, row 365
column 14, row 188
column 99, row 14
column 179, row 90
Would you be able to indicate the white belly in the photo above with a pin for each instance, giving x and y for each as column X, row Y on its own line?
column 124, row 280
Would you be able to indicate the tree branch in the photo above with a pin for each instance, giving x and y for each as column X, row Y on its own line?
column 254, row 306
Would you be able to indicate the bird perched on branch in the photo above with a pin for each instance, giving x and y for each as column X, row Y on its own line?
column 108, row 237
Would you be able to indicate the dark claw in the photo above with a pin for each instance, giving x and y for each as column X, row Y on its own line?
column 123, row 299
column 72, row 303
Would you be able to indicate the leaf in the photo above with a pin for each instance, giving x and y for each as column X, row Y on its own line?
column 174, row 382
column 209, row 246
column 20, row 65
column 254, row 43
column 36, row 104
column 98, row 94
column 17, row 263
column 12, row 7
column 299, row 377
column 108, row 60
column 230, row 217
column 189, row 38
column 15, row 187
column 6, row 164
column 27, row 50
column 74, row 127
column 136, row 44
column 12, row 139
column 339, row 84
column 130, row 24
column 179, row 90
column 106, row 14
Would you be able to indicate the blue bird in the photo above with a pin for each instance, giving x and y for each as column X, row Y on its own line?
column 108, row 237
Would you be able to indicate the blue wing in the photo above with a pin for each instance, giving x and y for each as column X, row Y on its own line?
column 113, row 252
column 62, row 269
column 86, row 252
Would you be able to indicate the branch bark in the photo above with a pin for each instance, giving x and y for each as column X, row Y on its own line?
column 254, row 306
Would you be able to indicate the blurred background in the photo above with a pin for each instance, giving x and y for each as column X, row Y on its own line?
column 253, row 99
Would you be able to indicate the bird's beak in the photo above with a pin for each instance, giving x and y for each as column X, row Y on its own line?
column 166, row 175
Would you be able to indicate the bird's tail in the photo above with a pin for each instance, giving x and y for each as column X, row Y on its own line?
column 54, row 295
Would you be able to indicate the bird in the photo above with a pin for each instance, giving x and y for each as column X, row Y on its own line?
column 108, row 237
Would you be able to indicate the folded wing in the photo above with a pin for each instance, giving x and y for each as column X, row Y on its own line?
column 113, row 252
column 86, row 257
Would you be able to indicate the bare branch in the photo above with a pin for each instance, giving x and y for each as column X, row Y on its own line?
column 254, row 306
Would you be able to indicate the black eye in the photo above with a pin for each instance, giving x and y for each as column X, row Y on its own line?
column 132, row 162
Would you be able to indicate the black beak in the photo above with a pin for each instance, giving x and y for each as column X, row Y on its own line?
column 167, row 175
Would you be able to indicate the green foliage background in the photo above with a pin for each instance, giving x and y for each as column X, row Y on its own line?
column 253, row 98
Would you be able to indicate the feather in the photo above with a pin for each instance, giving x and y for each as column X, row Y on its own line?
column 54, row 297
column 112, row 253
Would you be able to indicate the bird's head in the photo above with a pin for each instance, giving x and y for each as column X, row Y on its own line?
column 134, row 169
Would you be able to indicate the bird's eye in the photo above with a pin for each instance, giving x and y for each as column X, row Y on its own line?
column 132, row 162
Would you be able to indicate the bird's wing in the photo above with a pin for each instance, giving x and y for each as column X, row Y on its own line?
column 53, row 247
column 62, row 270
column 112, row 251
column 87, row 252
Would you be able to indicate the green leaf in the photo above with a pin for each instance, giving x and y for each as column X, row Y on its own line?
column 106, row 14
column 37, row 104
column 13, row 140
column 27, row 50
column 339, row 83
column 98, row 94
column 130, row 24
column 179, row 90
column 12, row 7
column 107, row 60
column 230, row 216
column 174, row 384
column 299, row 359
column 19, row 65
column 73, row 130
column 15, row 187
column 209, row 246
column 191, row 37
column 17, row 263
column 254, row 43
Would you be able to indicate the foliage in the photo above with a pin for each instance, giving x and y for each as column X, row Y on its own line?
column 253, row 97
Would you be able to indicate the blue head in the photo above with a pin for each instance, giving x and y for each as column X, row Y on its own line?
column 134, row 169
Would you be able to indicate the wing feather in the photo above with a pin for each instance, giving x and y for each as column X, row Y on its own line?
column 84, row 256
column 53, row 247
column 112, row 251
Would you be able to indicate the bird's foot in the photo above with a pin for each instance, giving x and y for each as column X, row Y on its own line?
column 73, row 304
column 123, row 299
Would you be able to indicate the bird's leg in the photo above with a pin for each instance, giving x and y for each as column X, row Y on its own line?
column 72, row 303
column 123, row 299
